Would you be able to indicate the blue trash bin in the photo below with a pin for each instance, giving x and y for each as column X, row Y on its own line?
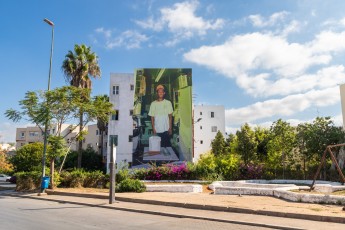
column 45, row 182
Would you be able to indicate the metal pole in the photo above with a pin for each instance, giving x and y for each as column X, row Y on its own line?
column 47, row 120
column 112, row 174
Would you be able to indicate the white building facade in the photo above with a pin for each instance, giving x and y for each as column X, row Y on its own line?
column 120, row 126
column 32, row 134
column 208, row 120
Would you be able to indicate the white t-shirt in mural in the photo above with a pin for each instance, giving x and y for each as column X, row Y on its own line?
column 160, row 110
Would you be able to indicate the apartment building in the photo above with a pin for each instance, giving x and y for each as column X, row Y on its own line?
column 208, row 120
column 32, row 134
column 120, row 126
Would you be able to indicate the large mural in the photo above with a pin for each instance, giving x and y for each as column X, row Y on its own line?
column 162, row 116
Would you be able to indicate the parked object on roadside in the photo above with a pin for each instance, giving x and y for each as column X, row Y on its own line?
column 13, row 180
column 4, row 177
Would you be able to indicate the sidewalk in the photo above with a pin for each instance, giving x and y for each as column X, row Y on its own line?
column 262, row 205
column 187, row 207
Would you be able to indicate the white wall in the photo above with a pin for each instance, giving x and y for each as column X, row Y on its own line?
column 203, row 134
column 124, row 126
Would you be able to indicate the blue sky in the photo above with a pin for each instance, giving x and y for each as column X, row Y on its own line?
column 262, row 59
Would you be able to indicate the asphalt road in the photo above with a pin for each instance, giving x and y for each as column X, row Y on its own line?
column 28, row 214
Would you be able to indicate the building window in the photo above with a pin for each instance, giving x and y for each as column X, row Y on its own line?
column 201, row 142
column 130, row 138
column 214, row 129
column 115, row 117
column 97, row 132
column 200, row 127
column 212, row 114
column 116, row 90
column 33, row 134
column 200, row 113
column 131, row 112
column 113, row 139
column 53, row 131
column 132, row 87
column 22, row 134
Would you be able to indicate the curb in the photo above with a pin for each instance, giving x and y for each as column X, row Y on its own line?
column 311, row 217
column 160, row 213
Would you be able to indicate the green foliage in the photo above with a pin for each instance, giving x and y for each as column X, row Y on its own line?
column 28, row 158
column 247, row 144
column 91, row 160
column 227, row 166
column 130, row 185
column 5, row 166
column 122, row 175
column 262, row 137
column 31, row 181
column 282, row 142
column 218, row 144
column 94, row 179
column 80, row 178
column 57, row 147
column 74, row 179
column 206, row 168
column 28, row 181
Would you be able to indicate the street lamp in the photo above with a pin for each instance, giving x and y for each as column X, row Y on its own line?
column 47, row 121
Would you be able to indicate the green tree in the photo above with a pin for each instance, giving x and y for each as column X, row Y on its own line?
column 218, row 144
column 65, row 104
column 320, row 134
column 313, row 138
column 57, row 149
column 79, row 67
column 246, row 144
column 281, row 144
column 28, row 158
column 102, row 124
column 5, row 165
column 262, row 137
column 91, row 160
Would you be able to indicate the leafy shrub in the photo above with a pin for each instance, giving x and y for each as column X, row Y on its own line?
column 93, row 179
column 130, row 185
column 122, row 174
column 205, row 168
column 250, row 171
column 28, row 181
column 74, row 179
column 227, row 166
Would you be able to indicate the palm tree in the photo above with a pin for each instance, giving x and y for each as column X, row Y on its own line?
column 101, row 124
column 78, row 67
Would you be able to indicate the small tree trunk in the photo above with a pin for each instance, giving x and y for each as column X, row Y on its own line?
column 52, row 165
column 80, row 143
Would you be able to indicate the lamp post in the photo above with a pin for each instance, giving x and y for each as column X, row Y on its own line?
column 47, row 121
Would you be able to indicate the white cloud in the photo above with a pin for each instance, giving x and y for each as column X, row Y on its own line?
column 259, row 21
column 293, row 27
column 264, row 64
column 130, row 39
column 150, row 23
column 182, row 21
column 282, row 107
column 106, row 33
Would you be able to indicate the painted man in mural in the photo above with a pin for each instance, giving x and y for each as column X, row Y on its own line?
column 161, row 117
